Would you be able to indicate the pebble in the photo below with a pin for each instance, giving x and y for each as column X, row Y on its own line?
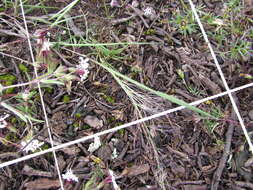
column 250, row 114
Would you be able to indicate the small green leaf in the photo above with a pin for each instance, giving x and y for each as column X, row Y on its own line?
column 13, row 110
column 48, row 81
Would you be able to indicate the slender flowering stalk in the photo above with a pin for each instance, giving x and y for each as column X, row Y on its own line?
column 43, row 43
column 69, row 176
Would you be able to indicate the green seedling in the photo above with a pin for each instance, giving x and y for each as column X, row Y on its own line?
column 66, row 99
column 212, row 124
column 109, row 99
column 184, row 22
column 193, row 90
column 7, row 80
column 240, row 49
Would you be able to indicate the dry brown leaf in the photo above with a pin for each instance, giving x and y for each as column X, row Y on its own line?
column 71, row 151
column 93, row 121
column 42, row 183
column 135, row 170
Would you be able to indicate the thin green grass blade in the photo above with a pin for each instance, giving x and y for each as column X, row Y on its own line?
column 172, row 99
column 100, row 44
column 13, row 110
column 22, row 116
column 62, row 12
column 49, row 81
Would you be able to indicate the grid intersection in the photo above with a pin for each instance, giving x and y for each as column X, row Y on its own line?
column 222, row 76
column 83, row 139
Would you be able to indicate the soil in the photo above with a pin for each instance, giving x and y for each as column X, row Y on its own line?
column 181, row 150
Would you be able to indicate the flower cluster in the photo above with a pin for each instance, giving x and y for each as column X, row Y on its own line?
column 3, row 123
column 69, row 176
column 82, row 68
column 43, row 42
column 32, row 145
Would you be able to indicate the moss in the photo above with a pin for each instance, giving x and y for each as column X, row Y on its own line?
column 150, row 32
column 23, row 68
column 76, row 124
column 13, row 120
column 11, row 137
column 45, row 147
column 78, row 115
column 49, row 90
column 66, row 99
column 121, row 132
column 7, row 80
column 109, row 99
column 85, row 127
column 118, row 123
column 111, row 119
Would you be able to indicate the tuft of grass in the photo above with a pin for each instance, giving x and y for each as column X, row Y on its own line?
column 210, row 125
column 62, row 12
column 184, row 22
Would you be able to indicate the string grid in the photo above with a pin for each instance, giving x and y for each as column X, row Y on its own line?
column 54, row 148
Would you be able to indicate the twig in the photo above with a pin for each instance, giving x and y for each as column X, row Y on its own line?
column 199, row 182
column 244, row 184
column 223, row 160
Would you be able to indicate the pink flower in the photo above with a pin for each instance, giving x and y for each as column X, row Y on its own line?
column 114, row 3
column 69, row 176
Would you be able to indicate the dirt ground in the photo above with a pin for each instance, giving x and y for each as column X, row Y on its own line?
column 179, row 151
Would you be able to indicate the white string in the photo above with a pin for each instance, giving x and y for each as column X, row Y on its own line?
column 41, row 96
column 27, row 157
column 228, row 92
column 222, row 76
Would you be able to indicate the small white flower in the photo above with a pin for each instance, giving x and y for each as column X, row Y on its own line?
column 114, row 184
column 84, row 63
column 3, row 123
column 114, row 154
column 94, row 146
column 31, row 145
column 82, row 68
column 148, row 11
column 46, row 46
column 69, row 176
column 25, row 95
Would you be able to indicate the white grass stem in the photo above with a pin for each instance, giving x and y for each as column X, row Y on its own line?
column 83, row 139
column 41, row 96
